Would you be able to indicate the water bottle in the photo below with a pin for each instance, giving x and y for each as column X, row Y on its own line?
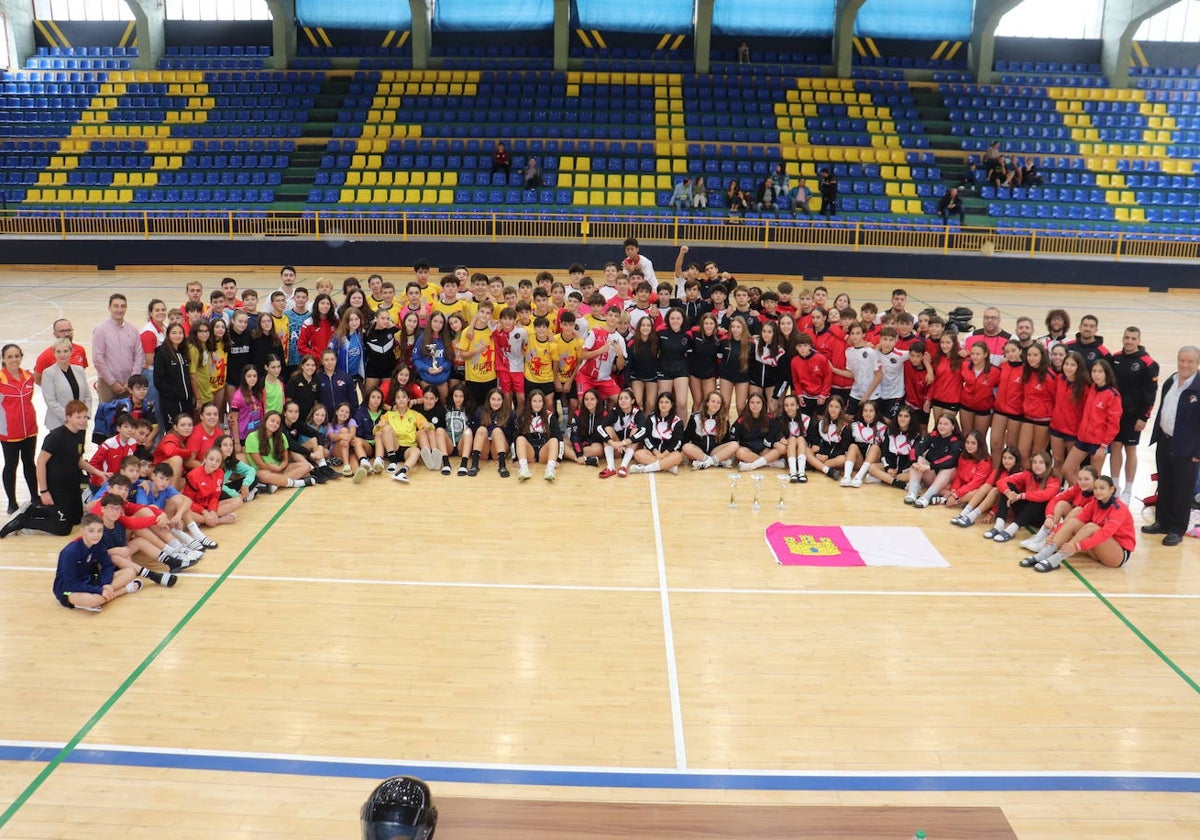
column 919, row 834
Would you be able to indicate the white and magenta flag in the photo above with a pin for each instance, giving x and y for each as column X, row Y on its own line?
column 851, row 545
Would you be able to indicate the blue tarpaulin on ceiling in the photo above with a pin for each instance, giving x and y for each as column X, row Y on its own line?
column 916, row 19
column 656, row 16
column 338, row 14
column 493, row 16
column 793, row 19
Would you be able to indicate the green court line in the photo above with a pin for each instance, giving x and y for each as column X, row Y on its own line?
column 104, row 709
column 1112, row 608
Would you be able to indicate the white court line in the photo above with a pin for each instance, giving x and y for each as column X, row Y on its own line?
column 668, row 631
column 680, row 590
column 633, row 771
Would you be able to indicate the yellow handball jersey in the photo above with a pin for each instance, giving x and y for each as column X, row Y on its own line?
column 539, row 360
column 480, row 368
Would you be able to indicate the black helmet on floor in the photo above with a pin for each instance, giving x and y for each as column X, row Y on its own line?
column 401, row 808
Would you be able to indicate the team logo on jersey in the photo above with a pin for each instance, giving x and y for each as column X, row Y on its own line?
column 710, row 426
column 662, row 428
column 1135, row 367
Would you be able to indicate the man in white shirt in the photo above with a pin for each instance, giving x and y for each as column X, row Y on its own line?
column 634, row 260
column 1177, row 455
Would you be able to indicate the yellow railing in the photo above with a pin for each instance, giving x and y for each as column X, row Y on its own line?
column 585, row 227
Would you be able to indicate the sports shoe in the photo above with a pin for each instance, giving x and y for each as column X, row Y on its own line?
column 86, row 609
column 134, row 585
column 549, row 474
column 472, row 471
column 803, row 478
column 360, row 474
column 673, row 470
column 330, row 472
column 168, row 580
column 961, row 521
column 503, row 470
column 392, row 469
column 700, row 465
column 846, row 479
column 745, row 466
column 194, row 545
column 1002, row 536
column 347, row 470
column 920, row 502
column 794, row 478
column 430, row 459
column 446, row 469
column 335, row 462
column 462, row 470
column 856, row 482
column 870, row 479
column 990, row 533
column 607, row 473
column 377, row 466
column 402, row 477
column 253, row 493
column 316, row 477
column 309, row 481
column 524, row 474
column 910, row 499
column 208, row 542
column 727, row 463
column 1033, row 544
column 267, row 488
column 622, row 472
column 175, row 563
column 835, row 474
column 591, row 461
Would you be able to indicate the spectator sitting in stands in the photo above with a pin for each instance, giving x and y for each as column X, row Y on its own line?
column 991, row 155
column 1029, row 176
column 782, row 183
column 970, row 177
column 681, row 198
column 999, row 175
column 798, row 198
column 699, row 193
column 829, row 191
column 951, row 203
column 735, row 200
column 501, row 161
column 532, row 174
column 764, row 200
column 743, row 53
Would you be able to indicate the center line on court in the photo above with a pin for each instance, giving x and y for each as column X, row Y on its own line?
column 668, row 632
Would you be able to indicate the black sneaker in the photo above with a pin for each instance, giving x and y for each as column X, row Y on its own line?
column 503, row 470
column 446, row 469
column 462, row 470
column 472, row 471
column 591, row 461
column 310, row 481
column 835, row 474
column 316, row 476
column 803, row 478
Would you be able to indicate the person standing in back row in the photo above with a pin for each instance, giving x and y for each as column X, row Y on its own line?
column 501, row 161
column 829, row 191
column 1177, row 435
column 116, row 351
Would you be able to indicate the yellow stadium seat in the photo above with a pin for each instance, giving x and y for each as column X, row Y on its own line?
column 678, row 166
column 379, row 196
column 1137, row 214
column 433, row 179
column 124, row 196
column 914, row 207
column 565, row 180
column 579, row 197
column 566, row 163
column 385, row 178
column 1121, row 214
column 445, row 196
column 417, row 179
column 596, row 197
column 646, row 199
column 899, row 206
column 615, row 198
column 629, row 182
column 429, row 196
column 646, row 182
column 370, row 179
column 412, row 196
column 34, row 195
column 908, row 189
column 662, row 182
column 395, row 197
column 354, row 179
column 613, row 182
column 891, row 189
column 583, row 164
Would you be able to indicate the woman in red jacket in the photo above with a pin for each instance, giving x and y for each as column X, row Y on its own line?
column 1010, row 394
column 1069, row 500
column 946, row 392
column 974, row 467
column 18, row 424
column 1100, row 422
column 318, row 330
column 1039, row 387
column 1023, row 498
column 979, row 381
column 981, row 503
column 173, row 449
column 203, row 487
column 1103, row 530
column 1070, row 391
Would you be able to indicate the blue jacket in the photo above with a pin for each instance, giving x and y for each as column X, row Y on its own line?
column 1186, row 441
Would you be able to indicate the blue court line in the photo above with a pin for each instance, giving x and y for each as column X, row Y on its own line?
column 615, row 778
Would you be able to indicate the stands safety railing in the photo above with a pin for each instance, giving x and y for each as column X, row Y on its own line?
column 416, row 225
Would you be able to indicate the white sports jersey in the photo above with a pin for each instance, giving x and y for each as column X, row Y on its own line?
column 602, row 364
column 891, row 387
column 862, row 362
column 514, row 354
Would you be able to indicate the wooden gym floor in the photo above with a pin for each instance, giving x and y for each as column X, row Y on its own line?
column 621, row 642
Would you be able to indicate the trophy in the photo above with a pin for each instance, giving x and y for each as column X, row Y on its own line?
column 435, row 355
column 783, row 482
column 733, row 483
column 757, row 479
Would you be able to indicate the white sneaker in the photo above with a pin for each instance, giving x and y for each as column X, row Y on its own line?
column 550, row 476
column 377, row 466
column 636, row 468
column 910, row 499
column 727, row 463
column 1126, row 496
column 402, row 477
column 745, row 467
column 870, row 479
column 846, row 480
column 524, row 474
column 393, row 469
column 920, row 502
column 700, row 465
column 857, row 482
column 674, row 470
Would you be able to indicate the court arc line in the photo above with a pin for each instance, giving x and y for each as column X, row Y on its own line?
column 613, row 777
column 668, row 631
column 69, row 747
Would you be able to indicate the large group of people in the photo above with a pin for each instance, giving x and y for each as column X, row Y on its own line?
column 235, row 394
